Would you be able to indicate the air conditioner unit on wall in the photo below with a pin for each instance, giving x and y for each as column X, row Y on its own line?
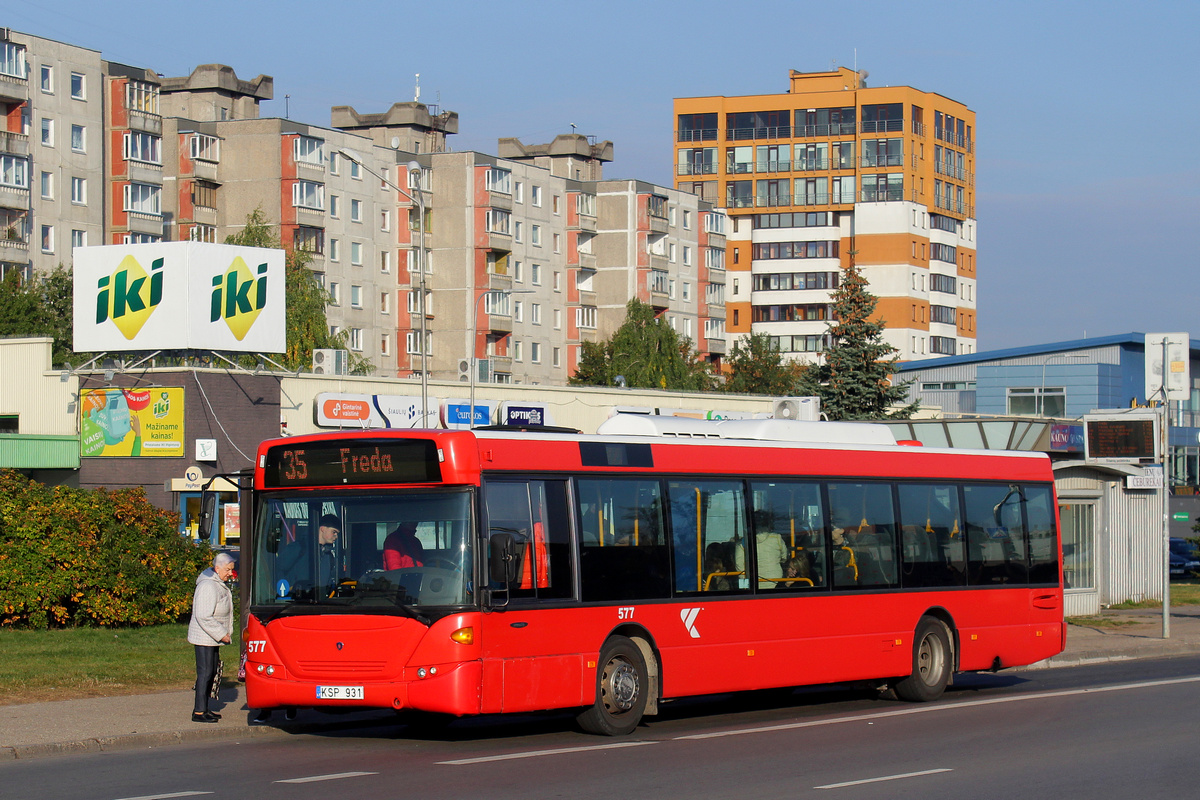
column 802, row 408
column 330, row 362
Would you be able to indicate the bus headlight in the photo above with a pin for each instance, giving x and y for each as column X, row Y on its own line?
column 464, row 636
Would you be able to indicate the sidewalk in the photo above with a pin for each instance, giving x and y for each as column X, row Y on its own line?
column 153, row 720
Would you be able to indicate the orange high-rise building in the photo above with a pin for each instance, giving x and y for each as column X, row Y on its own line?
column 832, row 171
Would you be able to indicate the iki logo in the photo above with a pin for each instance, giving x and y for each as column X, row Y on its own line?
column 129, row 295
column 162, row 406
column 238, row 297
column 688, row 617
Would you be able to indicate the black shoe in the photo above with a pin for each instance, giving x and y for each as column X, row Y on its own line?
column 213, row 714
column 207, row 716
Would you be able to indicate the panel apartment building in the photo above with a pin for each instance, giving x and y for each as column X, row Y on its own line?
column 527, row 254
column 831, row 171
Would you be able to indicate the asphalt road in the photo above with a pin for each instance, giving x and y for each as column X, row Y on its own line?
column 1103, row 731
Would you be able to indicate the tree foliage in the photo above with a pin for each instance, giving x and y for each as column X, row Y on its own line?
column 647, row 353
column 306, row 322
column 756, row 367
column 91, row 558
column 853, row 379
column 41, row 307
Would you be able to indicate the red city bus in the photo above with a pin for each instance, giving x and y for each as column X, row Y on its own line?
column 496, row 571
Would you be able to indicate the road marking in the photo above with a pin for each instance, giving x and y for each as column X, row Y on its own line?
column 926, row 709
column 884, row 778
column 333, row 777
column 539, row 753
column 165, row 796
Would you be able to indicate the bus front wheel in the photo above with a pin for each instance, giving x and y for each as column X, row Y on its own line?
column 621, row 684
column 932, row 663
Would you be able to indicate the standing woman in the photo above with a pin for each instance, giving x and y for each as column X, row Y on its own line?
column 211, row 627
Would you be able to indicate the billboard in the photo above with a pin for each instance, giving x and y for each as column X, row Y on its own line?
column 179, row 296
column 343, row 410
column 131, row 423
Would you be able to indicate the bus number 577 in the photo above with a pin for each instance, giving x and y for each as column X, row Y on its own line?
column 625, row 612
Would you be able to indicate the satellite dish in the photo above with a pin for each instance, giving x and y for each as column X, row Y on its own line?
column 395, row 142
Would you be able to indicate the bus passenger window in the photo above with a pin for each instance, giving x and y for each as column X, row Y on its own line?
column 864, row 525
column 622, row 552
column 932, row 543
column 533, row 514
column 1043, row 543
column 792, row 514
column 708, row 535
column 995, row 534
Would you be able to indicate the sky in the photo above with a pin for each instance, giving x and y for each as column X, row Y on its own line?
column 1087, row 165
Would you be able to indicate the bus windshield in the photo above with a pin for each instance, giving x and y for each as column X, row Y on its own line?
column 388, row 550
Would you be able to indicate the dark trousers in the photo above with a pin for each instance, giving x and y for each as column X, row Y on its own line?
column 206, row 670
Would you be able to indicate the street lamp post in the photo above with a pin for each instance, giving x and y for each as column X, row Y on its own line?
column 418, row 197
column 1040, row 403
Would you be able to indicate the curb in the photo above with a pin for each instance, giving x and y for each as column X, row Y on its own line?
column 132, row 741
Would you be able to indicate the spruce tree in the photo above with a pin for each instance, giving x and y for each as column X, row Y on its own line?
column 853, row 381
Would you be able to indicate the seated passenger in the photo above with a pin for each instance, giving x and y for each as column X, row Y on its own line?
column 402, row 549
column 796, row 567
column 715, row 569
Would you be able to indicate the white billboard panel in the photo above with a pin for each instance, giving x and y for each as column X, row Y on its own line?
column 179, row 296
column 1168, row 366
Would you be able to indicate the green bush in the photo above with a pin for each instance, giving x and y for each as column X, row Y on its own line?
column 76, row 557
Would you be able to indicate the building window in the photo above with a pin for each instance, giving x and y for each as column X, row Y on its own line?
column 385, row 220
column 535, row 236
column 499, row 180
column 14, row 172
column 47, row 79
column 309, row 239
column 47, row 185
column 335, row 205
column 204, row 194
column 412, row 343
column 687, row 220
column 356, row 339
column 517, row 231
column 385, row 345
column 140, row 238
column 203, row 233
column 554, row 202
column 558, row 243
column 205, row 148
column 308, row 194
column 47, row 132
column 1038, row 401
column 585, row 317
column 79, row 191
column 558, row 319
column 385, row 261
column 555, row 357
column 78, row 139
column 518, row 311
column 497, row 221
column 535, row 352
column 335, row 293
column 355, row 210
column 309, row 150
column 535, row 274
column 143, row 147
column 356, row 254
column 516, row 350
column 78, row 239
column 687, row 291
column 355, row 296
column 143, row 198
column 12, row 60
column 557, row 281
column 333, row 250
column 355, row 171
column 385, row 303
column 535, row 313
column 141, row 96
column 78, row 86
column 535, row 195
column 47, row 238
column 517, row 272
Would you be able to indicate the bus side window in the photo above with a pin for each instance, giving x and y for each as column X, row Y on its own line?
column 621, row 549
column 996, row 550
column 708, row 537
column 932, row 542
column 533, row 514
column 1043, row 543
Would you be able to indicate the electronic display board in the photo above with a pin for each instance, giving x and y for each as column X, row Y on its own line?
column 1130, row 439
column 348, row 463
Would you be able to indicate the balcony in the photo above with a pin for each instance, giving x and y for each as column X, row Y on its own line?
column 13, row 89
column 142, row 222
column 659, row 286
column 697, row 168
column 499, row 200
column 498, row 323
column 14, row 244
column 891, row 193
column 715, row 311
column 716, row 276
column 715, row 346
column 145, row 121
column 658, row 224
column 499, row 282
column 659, row 262
column 586, row 224
column 768, row 165
column 696, row 135
column 888, row 160
column 500, row 241
column 587, row 297
column 587, row 261
column 501, row 364
column 12, row 197
column 14, row 144
column 141, row 172
column 812, row 164
column 206, row 170
column 761, row 132
column 824, row 129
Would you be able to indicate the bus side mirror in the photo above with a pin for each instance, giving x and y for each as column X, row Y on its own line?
column 504, row 558
column 208, row 514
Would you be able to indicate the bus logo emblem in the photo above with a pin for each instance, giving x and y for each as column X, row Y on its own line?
column 688, row 615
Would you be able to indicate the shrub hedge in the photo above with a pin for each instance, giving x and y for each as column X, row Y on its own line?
column 77, row 557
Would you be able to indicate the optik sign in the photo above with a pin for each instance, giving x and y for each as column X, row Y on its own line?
column 180, row 296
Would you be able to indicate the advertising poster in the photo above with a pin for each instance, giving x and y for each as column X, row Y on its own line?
column 131, row 423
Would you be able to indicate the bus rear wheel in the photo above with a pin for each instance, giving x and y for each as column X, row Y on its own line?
column 621, row 684
column 932, row 663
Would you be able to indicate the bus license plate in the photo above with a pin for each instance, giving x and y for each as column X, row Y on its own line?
column 339, row 693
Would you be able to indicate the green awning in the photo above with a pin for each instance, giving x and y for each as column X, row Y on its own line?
column 32, row 451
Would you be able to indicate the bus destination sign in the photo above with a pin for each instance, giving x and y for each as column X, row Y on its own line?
column 347, row 463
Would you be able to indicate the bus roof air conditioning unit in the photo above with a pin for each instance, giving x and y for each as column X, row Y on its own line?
column 798, row 408
column 328, row 361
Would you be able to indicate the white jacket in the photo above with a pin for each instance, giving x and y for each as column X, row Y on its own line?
column 212, row 611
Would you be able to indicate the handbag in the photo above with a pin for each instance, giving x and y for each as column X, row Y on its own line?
column 215, row 688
